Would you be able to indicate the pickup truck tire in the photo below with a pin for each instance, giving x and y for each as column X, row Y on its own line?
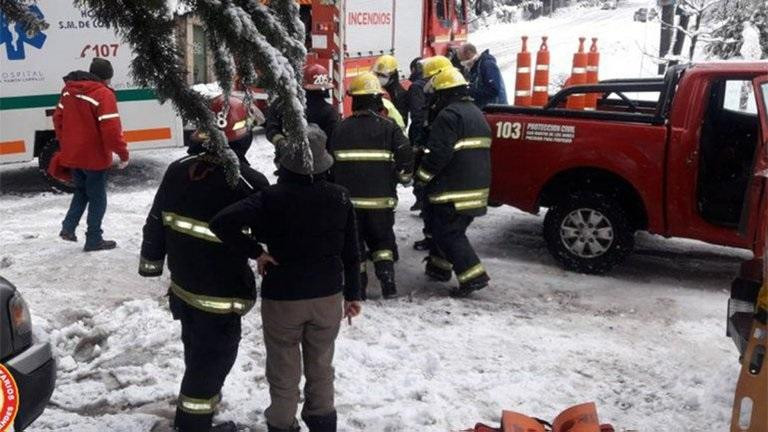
column 44, row 159
column 588, row 232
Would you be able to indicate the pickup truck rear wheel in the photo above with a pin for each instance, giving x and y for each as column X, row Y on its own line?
column 588, row 232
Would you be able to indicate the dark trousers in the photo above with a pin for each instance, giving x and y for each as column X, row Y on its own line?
column 210, row 349
column 375, row 229
column 91, row 192
column 450, row 247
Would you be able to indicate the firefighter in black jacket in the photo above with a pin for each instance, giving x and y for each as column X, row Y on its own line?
column 317, row 82
column 372, row 155
column 211, row 286
column 385, row 69
column 456, row 172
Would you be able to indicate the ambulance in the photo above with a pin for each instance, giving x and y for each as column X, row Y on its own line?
column 31, row 71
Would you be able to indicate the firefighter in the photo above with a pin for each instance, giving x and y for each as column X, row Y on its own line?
column 317, row 83
column 430, row 67
column 385, row 69
column 456, row 174
column 372, row 155
column 212, row 287
column 236, row 116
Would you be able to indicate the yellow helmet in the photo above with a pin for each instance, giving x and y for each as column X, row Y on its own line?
column 364, row 84
column 448, row 78
column 385, row 65
column 433, row 65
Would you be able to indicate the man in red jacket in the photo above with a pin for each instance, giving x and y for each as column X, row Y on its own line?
column 88, row 129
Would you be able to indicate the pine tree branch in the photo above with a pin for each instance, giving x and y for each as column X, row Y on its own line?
column 148, row 26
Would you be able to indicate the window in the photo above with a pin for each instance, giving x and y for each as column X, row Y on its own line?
column 199, row 56
column 440, row 10
column 460, row 11
column 739, row 96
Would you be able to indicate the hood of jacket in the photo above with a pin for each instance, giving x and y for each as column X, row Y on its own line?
column 482, row 58
column 82, row 82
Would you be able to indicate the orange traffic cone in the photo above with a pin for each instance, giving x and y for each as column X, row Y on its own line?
column 541, row 78
column 578, row 76
column 523, row 81
column 593, row 69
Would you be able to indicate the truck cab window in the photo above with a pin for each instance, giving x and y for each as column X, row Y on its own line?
column 460, row 11
column 729, row 135
column 440, row 10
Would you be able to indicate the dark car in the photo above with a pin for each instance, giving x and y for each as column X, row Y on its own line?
column 31, row 364
column 641, row 15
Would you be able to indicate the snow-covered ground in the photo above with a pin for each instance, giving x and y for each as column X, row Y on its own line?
column 647, row 342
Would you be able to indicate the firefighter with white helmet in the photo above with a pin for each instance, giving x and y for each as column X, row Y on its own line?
column 372, row 156
column 212, row 287
column 455, row 173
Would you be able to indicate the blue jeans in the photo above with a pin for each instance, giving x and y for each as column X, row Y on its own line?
column 90, row 191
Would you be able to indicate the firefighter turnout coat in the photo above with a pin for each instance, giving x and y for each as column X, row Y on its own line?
column 457, row 166
column 205, row 274
column 372, row 155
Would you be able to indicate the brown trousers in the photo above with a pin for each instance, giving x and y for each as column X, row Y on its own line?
column 294, row 330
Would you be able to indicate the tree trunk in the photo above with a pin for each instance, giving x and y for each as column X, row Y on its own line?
column 665, row 41
column 680, row 36
column 695, row 37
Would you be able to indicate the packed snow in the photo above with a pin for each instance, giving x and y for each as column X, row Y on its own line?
column 646, row 343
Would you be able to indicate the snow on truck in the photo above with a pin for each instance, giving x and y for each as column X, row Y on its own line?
column 684, row 155
column 31, row 71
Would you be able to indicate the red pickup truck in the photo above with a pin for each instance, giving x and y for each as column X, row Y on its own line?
column 682, row 155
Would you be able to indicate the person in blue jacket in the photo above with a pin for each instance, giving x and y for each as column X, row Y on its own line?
column 486, row 85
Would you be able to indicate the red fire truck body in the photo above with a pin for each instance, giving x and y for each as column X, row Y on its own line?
column 346, row 36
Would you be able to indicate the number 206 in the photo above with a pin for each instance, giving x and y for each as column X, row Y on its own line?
column 508, row 130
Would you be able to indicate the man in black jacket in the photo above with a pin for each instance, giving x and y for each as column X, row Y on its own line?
column 456, row 173
column 308, row 225
column 372, row 155
column 317, row 82
column 211, row 286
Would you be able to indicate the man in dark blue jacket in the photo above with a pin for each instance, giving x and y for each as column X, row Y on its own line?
column 486, row 85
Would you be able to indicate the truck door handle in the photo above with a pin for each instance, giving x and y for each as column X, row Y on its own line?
column 692, row 158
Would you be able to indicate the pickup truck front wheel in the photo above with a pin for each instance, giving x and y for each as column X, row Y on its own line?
column 588, row 232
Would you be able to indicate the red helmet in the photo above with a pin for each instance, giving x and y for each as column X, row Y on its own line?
column 316, row 78
column 234, row 123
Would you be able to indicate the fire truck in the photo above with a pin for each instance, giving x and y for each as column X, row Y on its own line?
column 346, row 36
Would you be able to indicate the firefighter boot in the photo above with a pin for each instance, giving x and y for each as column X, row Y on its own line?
column 326, row 423
column 294, row 428
column 438, row 269
column 385, row 272
column 224, row 427
column 470, row 286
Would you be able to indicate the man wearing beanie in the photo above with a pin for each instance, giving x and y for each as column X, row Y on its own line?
column 311, row 280
column 89, row 131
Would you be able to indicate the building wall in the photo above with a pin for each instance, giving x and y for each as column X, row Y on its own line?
column 185, row 40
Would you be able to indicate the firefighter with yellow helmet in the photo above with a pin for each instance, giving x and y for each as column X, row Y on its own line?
column 386, row 70
column 456, row 174
column 419, row 134
column 372, row 156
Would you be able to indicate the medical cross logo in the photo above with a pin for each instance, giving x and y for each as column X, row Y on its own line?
column 15, row 38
